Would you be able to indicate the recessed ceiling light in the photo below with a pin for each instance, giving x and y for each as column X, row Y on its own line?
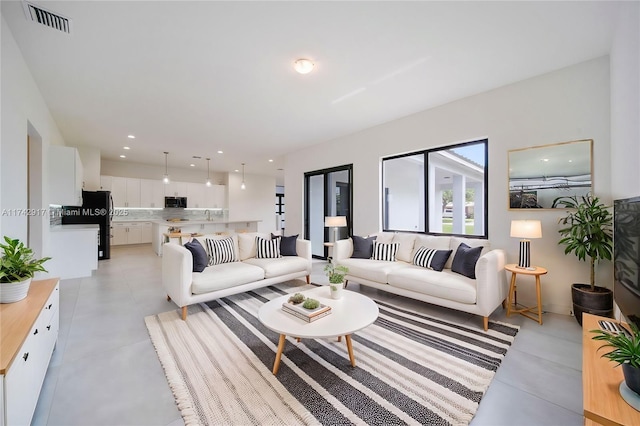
column 131, row 137
column 270, row 160
column 192, row 165
column 220, row 152
column 125, row 147
column 236, row 170
column 123, row 156
column 303, row 66
column 545, row 160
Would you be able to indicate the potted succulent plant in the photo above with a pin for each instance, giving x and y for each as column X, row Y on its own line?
column 588, row 234
column 17, row 267
column 625, row 351
column 336, row 279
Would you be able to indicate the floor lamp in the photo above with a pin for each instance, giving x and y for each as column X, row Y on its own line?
column 525, row 229
column 335, row 222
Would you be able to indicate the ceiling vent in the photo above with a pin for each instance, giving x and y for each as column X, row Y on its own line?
column 46, row 17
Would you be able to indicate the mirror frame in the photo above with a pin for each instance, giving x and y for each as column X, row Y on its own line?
column 547, row 152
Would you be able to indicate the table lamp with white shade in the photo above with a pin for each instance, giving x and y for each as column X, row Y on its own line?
column 525, row 229
column 335, row 222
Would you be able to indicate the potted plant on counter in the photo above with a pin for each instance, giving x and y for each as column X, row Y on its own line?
column 588, row 234
column 625, row 351
column 17, row 267
column 336, row 279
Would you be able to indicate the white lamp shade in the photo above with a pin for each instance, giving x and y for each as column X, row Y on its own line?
column 336, row 221
column 526, row 229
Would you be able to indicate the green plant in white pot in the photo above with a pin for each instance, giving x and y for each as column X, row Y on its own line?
column 336, row 275
column 17, row 267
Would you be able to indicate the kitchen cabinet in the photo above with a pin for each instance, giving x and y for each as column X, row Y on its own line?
column 147, row 235
column 125, row 192
column 76, row 250
column 196, row 195
column 215, row 196
column 29, row 333
column 65, row 176
column 176, row 189
column 130, row 233
column 105, row 183
column 151, row 193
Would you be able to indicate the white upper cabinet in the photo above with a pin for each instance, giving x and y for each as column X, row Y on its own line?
column 195, row 195
column 176, row 189
column 151, row 193
column 105, row 183
column 65, row 176
column 215, row 196
column 125, row 192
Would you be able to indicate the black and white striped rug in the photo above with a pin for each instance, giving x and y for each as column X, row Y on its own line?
column 411, row 368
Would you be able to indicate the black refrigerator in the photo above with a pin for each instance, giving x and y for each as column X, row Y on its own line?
column 97, row 208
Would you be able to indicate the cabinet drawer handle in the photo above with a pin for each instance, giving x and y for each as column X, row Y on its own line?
column 25, row 356
column 35, row 332
column 48, row 328
column 50, row 305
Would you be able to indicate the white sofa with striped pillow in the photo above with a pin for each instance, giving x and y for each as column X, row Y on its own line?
column 243, row 273
column 480, row 296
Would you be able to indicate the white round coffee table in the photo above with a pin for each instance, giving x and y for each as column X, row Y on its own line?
column 349, row 314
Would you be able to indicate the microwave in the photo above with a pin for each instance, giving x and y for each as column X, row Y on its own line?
column 175, row 202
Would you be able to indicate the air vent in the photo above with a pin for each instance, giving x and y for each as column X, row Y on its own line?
column 46, row 17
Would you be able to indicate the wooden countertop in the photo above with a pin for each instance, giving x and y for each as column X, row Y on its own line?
column 601, row 380
column 16, row 319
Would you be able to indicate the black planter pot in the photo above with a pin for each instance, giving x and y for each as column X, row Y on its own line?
column 597, row 302
column 631, row 377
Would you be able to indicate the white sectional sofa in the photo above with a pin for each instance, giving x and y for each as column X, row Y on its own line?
column 186, row 287
column 480, row 296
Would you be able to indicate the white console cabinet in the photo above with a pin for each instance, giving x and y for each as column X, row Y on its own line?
column 29, row 334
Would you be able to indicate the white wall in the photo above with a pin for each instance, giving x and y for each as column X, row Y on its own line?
column 23, row 112
column 90, row 159
column 146, row 171
column 256, row 202
column 565, row 105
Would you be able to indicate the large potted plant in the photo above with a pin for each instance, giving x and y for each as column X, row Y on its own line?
column 625, row 351
column 17, row 267
column 588, row 234
column 336, row 279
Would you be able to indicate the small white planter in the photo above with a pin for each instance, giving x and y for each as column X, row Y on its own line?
column 14, row 292
column 336, row 290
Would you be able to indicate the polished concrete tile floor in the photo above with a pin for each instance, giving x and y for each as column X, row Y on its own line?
column 104, row 370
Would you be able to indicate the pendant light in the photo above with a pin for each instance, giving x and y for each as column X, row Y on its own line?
column 166, row 168
column 243, row 186
column 208, row 180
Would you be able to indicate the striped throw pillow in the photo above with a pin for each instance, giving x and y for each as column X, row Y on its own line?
column 382, row 251
column 267, row 249
column 220, row 251
column 431, row 258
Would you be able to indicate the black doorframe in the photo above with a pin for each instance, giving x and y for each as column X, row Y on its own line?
column 325, row 173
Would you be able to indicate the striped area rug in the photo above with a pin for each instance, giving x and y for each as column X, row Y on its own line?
column 411, row 368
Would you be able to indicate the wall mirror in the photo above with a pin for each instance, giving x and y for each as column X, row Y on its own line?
column 540, row 174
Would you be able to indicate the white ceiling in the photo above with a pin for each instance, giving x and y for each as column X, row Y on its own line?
column 193, row 78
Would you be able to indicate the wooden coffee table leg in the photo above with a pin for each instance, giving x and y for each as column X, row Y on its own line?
column 347, row 339
column 276, row 363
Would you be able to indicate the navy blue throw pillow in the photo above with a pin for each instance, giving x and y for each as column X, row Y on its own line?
column 287, row 244
column 200, row 259
column 464, row 262
column 362, row 247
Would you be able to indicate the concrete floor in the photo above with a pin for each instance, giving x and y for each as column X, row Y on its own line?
column 104, row 370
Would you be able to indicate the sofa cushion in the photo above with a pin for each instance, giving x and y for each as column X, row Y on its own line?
column 471, row 242
column 247, row 244
column 386, row 252
column 362, row 247
column 281, row 266
column 405, row 249
column 431, row 258
column 267, row 249
column 199, row 255
column 203, row 241
column 221, row 251
column 465, row 259
column 436, row 242
column 223, row 276
column 287, row 244
column 383, row 237
column 372, row 270
column 444, row 285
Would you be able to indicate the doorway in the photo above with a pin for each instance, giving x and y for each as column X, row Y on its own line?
column 328, row 192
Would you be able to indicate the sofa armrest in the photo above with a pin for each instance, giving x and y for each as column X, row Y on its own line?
column 177, row 269
column 342, row 249
column 491, row 281
column 303, row 248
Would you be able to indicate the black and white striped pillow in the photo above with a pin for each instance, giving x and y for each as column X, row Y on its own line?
column 267, row 249
column 431, row 258
column 385, row 251
column 221, row 251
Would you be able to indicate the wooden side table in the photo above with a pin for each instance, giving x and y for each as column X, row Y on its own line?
column 513, row 296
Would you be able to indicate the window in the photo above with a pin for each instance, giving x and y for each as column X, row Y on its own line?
column 437, row 191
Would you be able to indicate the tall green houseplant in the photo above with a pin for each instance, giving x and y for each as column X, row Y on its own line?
column 587, row 233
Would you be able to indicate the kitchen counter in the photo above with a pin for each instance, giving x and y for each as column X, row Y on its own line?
column 73, row 250
column 199, row 222
column 75, row 227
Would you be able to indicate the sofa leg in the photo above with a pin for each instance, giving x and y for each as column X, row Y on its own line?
column 308, row 279
column 184, row 313
column 168, row 298
column 345, row 283
column 485, row 323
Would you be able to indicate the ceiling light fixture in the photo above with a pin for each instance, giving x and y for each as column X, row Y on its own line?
column 303, row 66
column 166, row 168
column 270, row 160
column 208, row 180
column 219, row 152
column 131, row 137
column 123, row 156
column 243, row 186
column 126, row 147
column 192, row 165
